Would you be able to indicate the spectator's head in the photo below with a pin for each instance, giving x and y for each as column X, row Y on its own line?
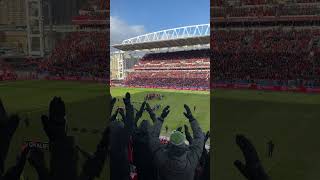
column 177, row 138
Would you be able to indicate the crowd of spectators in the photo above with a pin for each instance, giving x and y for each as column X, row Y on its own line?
column 170, row 79
column 262, row 2
column 267, row 11
column 80, row 54
column 6, row 72
column 276, row 40
column 182, row 69
column 268, row 57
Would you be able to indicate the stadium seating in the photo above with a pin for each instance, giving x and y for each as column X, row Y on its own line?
column 80, row 54
column 260, row 8
column 6, row 72
column 182, row 69
column 268, row 57
column 267, row 52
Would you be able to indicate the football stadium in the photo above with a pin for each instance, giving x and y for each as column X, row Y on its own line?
column 266, row 85
column 176, row 65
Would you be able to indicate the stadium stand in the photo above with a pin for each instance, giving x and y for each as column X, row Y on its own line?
column 266, row 44
column 181, row 69
column 6, row 72
column 80, row 54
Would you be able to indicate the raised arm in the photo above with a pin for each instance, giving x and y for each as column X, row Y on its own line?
column 154, row 140
column 151, row 113
column 252, row 169
column 8, row 126
column 196, row 147
column 156, row 130
column 64, row 157
column 188, row 135
column 139, row 114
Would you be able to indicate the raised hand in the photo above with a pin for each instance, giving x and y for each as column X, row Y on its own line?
column 114, row 116
column 129, row 114
column 188, row 113
column 151, row 113
column 55, row 124
column 165, row 113
column 139, row 113
column 252, row 169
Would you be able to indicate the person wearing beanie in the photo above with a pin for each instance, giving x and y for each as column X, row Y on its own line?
column 177, row 138
column 176, row 160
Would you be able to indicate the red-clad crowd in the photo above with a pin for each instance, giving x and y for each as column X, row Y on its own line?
column 6, row 72
column 262, row 2
column 181, row 69
column 265, row 40
column 80, row 54
column 278, row 55
column 267, row 10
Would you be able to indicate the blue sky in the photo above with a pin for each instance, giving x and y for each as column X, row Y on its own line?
column 133, row 17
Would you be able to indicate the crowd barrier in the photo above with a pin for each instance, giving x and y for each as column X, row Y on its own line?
column 300, row 89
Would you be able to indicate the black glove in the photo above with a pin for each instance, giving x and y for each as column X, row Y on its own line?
column 114, row 116
column 151, row 113
column 55, row 124
column 164, row 113
column 188, row 113
column 252, row 169
column 129, row 115
column 139, row 113
column 8, row 126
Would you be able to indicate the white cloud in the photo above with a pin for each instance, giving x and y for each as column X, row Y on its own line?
column 121, row 30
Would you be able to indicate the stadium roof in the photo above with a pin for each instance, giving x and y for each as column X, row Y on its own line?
column 176, row 37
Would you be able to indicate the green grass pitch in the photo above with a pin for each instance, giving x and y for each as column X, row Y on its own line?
column 291, row 120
